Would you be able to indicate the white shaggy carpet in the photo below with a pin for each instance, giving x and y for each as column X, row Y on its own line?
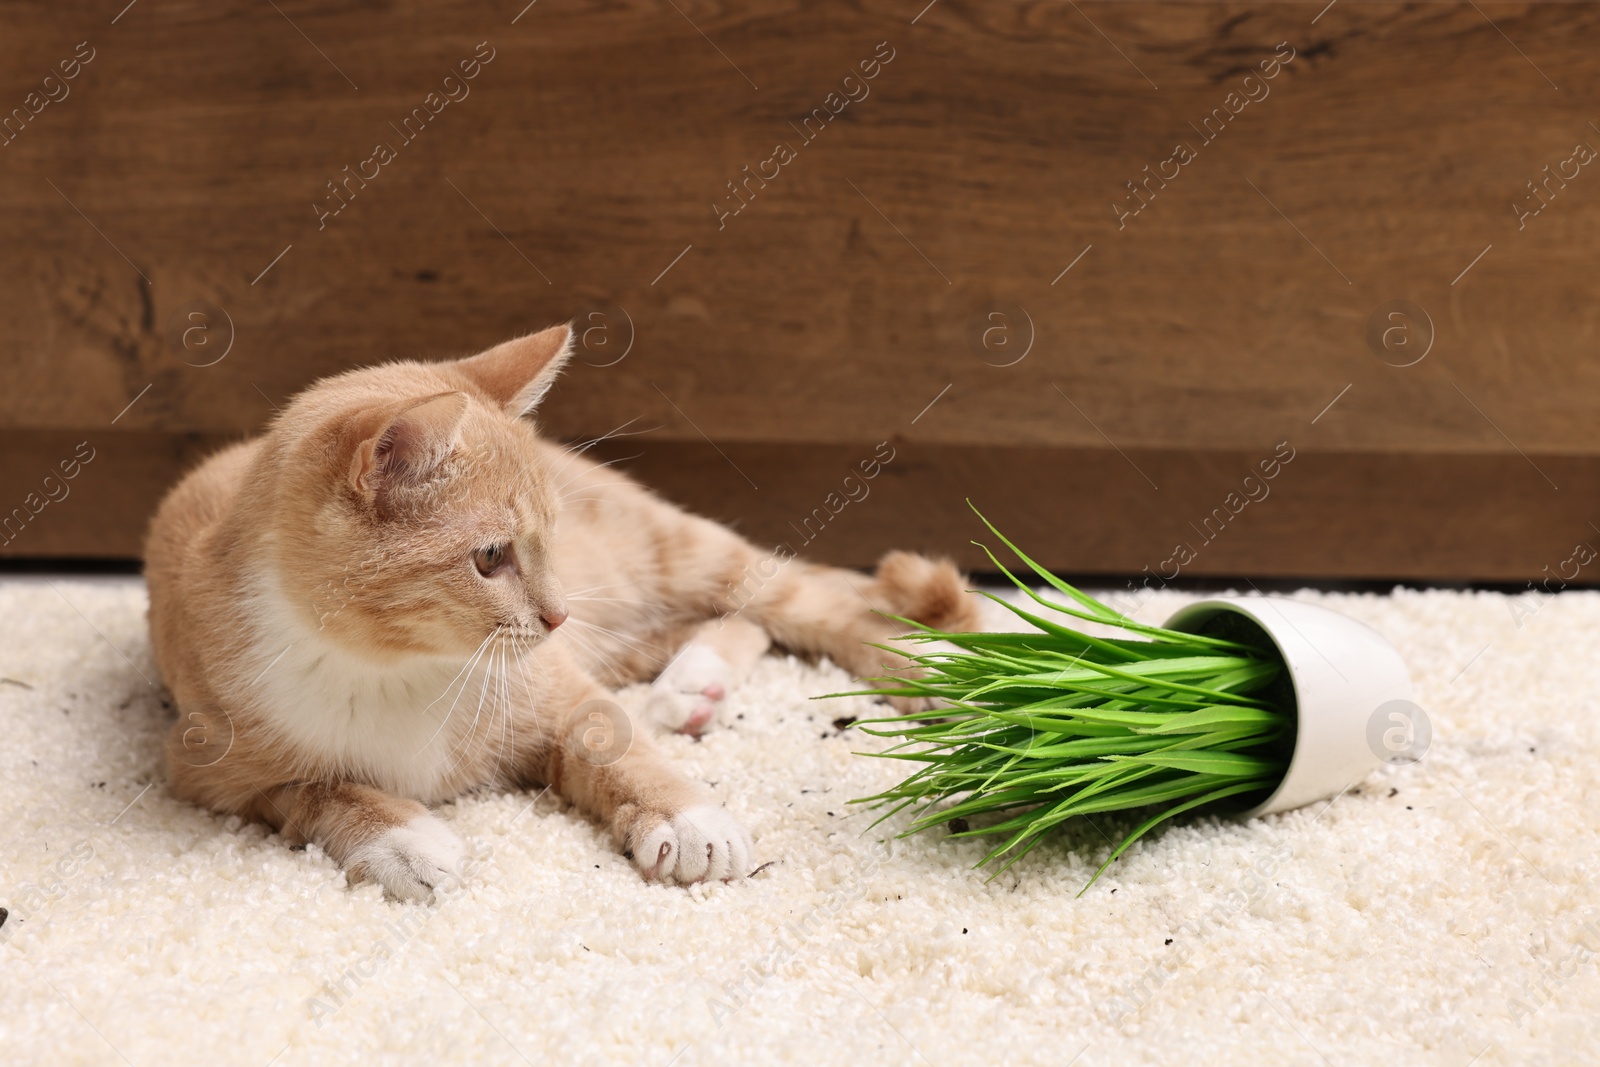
column 1436, row 915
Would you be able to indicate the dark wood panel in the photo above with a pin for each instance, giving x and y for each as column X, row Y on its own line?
column 1324, row 514
column 597, row 140
column 90, row 494
column 1381, row 163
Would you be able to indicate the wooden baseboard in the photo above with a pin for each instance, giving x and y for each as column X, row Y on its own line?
column 1476, row 517
column 1161, row 512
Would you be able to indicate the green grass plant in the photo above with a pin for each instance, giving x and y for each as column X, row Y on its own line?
column 1051, row 723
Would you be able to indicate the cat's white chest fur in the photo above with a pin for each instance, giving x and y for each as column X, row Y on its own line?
column 403, row 726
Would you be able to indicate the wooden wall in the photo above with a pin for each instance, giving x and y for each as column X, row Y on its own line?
column 943, row 265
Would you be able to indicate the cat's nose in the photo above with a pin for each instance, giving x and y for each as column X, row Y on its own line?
column 553, row 617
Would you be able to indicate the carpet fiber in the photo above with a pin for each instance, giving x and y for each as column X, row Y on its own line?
column 1436, row 913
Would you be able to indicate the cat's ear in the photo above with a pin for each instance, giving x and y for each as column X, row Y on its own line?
column 519, row 372
column 406, row 443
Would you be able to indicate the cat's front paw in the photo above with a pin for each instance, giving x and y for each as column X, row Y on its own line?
column 686, row 696
column 409, row 860
column 702, row 843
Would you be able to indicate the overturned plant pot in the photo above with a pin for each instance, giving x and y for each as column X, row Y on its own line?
column 1338, row 673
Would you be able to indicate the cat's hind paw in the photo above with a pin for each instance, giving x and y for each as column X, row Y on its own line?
column 409, row 860
column 700, row 844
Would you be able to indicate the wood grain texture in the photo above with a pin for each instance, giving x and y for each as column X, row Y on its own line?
column 856, row 286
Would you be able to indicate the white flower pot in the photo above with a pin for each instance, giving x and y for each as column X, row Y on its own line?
column 1342, row 672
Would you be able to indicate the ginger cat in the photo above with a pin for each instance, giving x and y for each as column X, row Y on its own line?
column 365, row 611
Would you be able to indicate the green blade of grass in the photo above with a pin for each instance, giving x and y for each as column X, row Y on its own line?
column 1224, row 763
column 1195, row 802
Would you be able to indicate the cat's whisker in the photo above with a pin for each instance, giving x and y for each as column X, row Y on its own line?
column 597, row 589
column 528, row 688
column 524, row 702
column 519, row 703
column 501, row 705
column 611, row 600
column 568, row 457
column 471, row 662
column 595, row 467
column 488, row 679
column 596, row 653
column 616, row 634
column 606, row 630
column 466, row 667
column 592, row 645
column 448, row 761
column 590, row 649
column 492, row 692
column 619, row 431
column 533, row 674
column 505, row 716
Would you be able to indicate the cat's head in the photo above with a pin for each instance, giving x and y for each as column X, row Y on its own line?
column 413, row 506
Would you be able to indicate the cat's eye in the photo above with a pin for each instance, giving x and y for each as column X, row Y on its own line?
column 490, row 559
